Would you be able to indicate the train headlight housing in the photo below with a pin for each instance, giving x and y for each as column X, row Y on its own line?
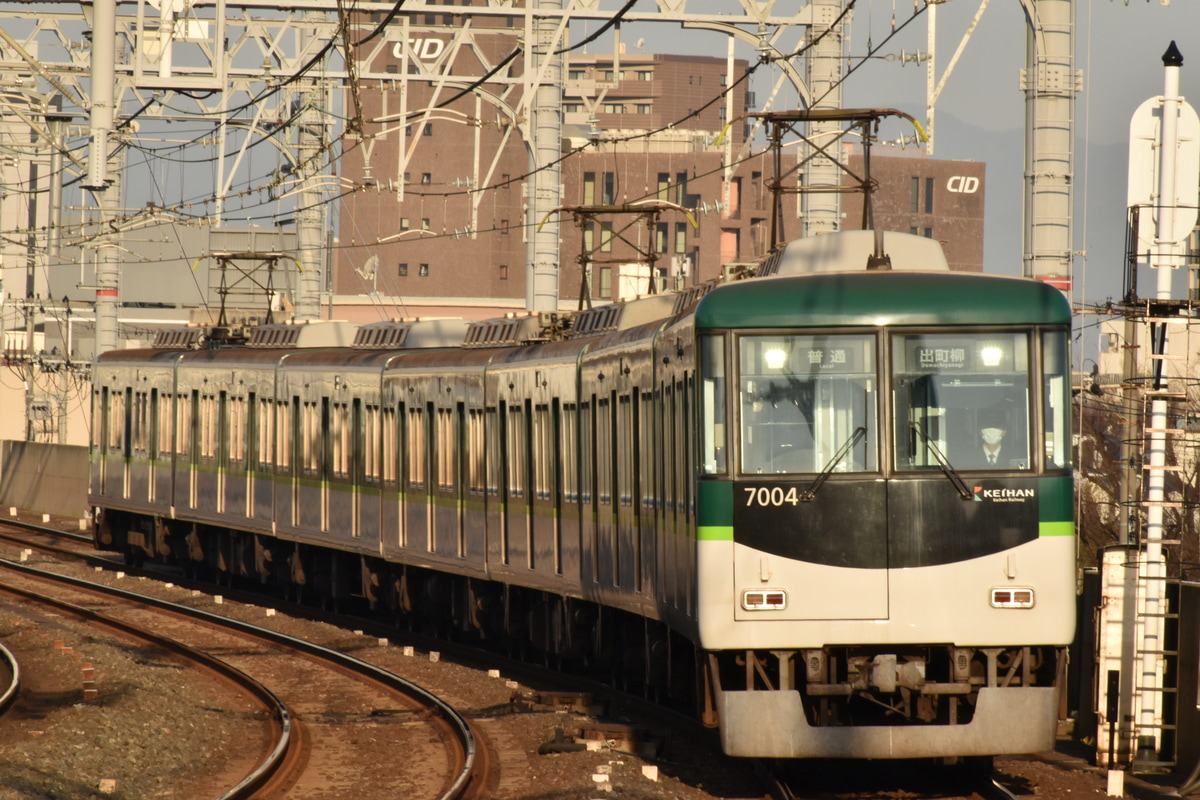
column 1012, row 597
column 991, row 355
column 764, row 600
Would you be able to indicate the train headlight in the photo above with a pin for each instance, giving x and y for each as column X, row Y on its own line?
column 775, row 358
column 764, row 599
column 1012, row 597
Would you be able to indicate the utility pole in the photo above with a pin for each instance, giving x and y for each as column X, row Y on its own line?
column 545, row 152
column 310, row 214
column 821, row 202
column 1050, row 82
column 104, row 44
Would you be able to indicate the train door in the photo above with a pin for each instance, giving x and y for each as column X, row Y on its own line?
column 810, row 505
column 193, row 463
column 474, row 545
column 222, row 449
column 447, row 508
column 545, row 543
column 517, row 527
column 417, row 492
column 627, row 540
column 126, row 442
column 151, row 433
column 387, row 469
column 250, row 451
column 588, row 535
column 607, row 554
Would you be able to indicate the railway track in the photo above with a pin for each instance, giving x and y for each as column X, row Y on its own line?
column 323, row 697
column 1026, row 772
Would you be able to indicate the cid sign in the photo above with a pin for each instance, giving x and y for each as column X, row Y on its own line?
column 963, row 184
column 421, row 49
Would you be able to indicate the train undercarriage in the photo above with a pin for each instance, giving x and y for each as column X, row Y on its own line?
column 630, row 652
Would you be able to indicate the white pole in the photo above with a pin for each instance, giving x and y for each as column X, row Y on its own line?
column 1165, row 261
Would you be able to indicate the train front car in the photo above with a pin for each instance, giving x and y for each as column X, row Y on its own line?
column 886, row 543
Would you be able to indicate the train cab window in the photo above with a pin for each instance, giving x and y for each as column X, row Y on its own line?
column 712, row 403
column 807, row 403
column 963, row 398
column 1056, row 412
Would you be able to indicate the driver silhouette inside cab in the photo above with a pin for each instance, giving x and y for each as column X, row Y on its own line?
column 991, row 453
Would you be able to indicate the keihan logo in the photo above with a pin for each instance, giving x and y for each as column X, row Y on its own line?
column 1003, row 495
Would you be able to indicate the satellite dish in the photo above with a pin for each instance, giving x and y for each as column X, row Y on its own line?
column 640, row 44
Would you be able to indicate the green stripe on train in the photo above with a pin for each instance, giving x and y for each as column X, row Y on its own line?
column 715, row 533
column 1056, row 529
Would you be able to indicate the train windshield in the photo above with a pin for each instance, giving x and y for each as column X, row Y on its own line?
column 964, row 397
column 807, row 403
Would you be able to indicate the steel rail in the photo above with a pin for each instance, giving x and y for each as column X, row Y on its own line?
column 14, row 686
column 457, row 723
column 280, row 712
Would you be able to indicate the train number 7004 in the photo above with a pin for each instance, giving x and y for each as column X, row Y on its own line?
column 771, row 496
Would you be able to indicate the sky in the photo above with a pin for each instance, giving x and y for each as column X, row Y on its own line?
column 980, row 114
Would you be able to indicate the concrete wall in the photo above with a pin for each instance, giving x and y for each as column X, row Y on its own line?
column 47, row 478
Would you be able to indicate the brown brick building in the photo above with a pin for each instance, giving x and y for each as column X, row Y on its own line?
column 447, row 224
column 928, row 197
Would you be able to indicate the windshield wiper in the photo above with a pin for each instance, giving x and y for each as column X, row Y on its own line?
column 811, row 491
column 951, row 473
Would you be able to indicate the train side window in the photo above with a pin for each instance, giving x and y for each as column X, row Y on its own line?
column 626, row 432
column 238, row 429
column 253, row 423
column 570, row 453
column 138, row 420
column 310, row 424
column 687, row 439
column 208, row 426
column 390, row 449
column 712, row 403
column 476, row 467
column 340, row 440
column 99, row 417
column 1056, row 400
column 543, row 461
column 587, row 451
column 493, row 450
column 369, row 443
column 647, row 452
column 447, row 456
column 116, row 417
column 683, row 429
column 417, row 455
column 604, row 464
column 283, row 428
column 183, row 426
column 516, row 451
column 264, row 429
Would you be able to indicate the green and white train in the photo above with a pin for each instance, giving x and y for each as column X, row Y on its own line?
column 831, row 505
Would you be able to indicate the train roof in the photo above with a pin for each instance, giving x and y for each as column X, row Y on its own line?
column 882, row 298
column 849, row 250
